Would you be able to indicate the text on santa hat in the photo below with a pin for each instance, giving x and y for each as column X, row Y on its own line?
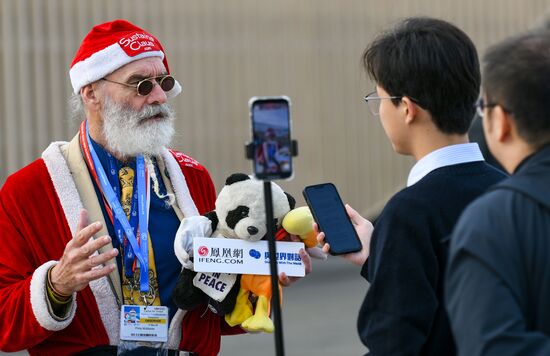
column 137, row 43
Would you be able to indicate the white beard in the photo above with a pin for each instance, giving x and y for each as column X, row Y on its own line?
column 127, row 136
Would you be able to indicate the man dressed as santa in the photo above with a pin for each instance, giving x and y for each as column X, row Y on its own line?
column 88, row 229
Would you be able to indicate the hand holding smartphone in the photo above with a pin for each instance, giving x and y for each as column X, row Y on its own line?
column 331, row 217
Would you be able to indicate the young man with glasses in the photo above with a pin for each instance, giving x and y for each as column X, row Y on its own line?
column 427, row 81
column 497, row 290
column 118, row 174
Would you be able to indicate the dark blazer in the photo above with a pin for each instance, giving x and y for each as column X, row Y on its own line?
column 498, row 280
column 403, row 312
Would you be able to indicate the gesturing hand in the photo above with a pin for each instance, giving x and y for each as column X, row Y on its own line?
column 76, row 267
column 364, row 230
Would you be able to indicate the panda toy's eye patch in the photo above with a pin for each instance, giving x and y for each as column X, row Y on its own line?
column 236, row 215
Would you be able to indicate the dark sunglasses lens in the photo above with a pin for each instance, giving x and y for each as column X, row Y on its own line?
column 167, row 83
column 145, row 87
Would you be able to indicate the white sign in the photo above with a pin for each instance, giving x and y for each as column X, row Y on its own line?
column 244, row 257
column 141, row 323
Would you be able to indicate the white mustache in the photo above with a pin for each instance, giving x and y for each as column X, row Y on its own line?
column 163, row 111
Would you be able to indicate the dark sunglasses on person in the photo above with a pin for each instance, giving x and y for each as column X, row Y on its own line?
column 145, row 86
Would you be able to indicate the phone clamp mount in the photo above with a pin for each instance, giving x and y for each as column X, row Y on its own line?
column 249, row 149
column 275, row 300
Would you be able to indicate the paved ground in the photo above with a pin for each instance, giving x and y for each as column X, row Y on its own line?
column 319, row 315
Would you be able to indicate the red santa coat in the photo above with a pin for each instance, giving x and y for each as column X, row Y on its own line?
column 39, row 211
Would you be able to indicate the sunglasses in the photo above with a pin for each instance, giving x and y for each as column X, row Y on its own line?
column 145, row 87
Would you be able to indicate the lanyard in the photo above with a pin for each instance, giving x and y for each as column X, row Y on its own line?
column 138, row 242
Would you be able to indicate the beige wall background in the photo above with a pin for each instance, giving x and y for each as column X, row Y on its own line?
column 224, row 52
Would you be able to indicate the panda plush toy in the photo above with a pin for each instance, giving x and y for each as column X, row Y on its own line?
column 239, row 214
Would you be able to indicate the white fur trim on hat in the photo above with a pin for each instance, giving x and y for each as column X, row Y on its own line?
column 102, row 63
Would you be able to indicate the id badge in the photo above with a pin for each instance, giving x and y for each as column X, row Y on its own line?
column 144, row 323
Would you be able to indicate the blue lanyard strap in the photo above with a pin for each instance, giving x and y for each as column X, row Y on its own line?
column 140, row 250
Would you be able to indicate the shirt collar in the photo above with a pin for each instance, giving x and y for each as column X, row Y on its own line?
column 445, row 156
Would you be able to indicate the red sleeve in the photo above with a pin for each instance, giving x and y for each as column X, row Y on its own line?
column 19, row 328
column 34, row 231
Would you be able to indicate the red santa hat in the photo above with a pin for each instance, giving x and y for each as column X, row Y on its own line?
column 111, row 45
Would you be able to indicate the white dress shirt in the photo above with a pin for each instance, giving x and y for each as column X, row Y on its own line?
column 445, row 156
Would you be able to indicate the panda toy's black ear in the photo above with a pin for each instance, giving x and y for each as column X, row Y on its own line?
column 236, row 177
column 291, row 201
column 213, row 218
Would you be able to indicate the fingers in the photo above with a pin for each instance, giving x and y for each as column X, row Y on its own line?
column 315, row 227
column 94, row 274
column 101, row 259
column 321, row 240
column 355, row 217
column 83, row 235
column 284, row 279
column 321, row 237
column 93, row 245
column 82, row 220
column 306, row 259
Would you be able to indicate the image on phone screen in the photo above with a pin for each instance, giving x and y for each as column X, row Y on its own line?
column 330, row 214
column 271, row 137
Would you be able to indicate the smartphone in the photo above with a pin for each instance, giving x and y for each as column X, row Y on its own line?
column 331, row 217
column 270, row 121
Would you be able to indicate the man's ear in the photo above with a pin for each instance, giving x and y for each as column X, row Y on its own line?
column 411, row 110
column 503, row 126
column 89, row 96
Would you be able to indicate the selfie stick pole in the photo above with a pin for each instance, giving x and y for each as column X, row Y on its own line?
column 275, row 296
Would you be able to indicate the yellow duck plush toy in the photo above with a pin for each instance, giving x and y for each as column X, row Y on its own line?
column 296, row 222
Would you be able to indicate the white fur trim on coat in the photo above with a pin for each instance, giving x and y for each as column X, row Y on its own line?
column 108, row 308
column 40, row 304
column 63, row 183
column 183, row 196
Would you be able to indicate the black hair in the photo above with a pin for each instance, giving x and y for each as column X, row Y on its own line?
column 432, row 62
column 516, row 75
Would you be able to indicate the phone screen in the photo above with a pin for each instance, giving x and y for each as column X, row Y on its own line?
column 271, row 136
column 331, row 217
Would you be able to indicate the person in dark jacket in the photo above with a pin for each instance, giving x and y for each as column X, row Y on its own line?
column 498, row 277
column 427, row 81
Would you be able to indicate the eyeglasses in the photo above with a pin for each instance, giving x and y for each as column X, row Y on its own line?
column 145, row 87
column 480, row 105
column 373, row 101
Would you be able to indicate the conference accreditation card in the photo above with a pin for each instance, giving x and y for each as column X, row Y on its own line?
column 144, row 323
